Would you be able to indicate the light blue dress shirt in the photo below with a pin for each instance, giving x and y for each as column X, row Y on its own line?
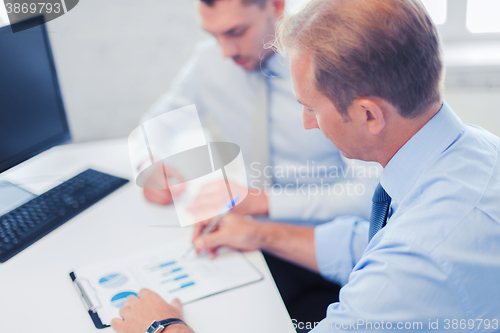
column 438, row 257
column 303, row 161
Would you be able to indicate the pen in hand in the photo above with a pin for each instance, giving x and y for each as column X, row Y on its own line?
column 211, row 226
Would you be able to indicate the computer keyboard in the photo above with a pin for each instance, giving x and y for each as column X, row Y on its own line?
column 31, row 221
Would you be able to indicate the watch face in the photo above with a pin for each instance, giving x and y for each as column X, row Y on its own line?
column 154, row 327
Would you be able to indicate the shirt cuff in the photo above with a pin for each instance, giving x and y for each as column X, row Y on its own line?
column 287, row 207
column 339, row 245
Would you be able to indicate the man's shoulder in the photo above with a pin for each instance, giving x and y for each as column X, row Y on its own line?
column 452, row 186
column 462, row 171
column 468, row 164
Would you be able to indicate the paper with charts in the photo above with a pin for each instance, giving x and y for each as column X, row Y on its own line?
column 108, row 284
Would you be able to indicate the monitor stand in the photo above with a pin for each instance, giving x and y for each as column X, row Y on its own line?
column 12, row 196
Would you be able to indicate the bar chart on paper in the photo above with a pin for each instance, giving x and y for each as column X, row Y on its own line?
column 172, row 276
column 108, row 284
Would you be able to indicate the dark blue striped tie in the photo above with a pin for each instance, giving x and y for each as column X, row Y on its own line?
column 380, row 210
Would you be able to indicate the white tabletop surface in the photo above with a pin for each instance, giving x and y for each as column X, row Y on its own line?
column 36, row 293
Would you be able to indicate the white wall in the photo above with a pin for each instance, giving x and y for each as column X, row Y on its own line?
column 480, row 106
column 115, row 57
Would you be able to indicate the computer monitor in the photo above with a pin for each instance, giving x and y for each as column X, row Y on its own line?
column 32, row 115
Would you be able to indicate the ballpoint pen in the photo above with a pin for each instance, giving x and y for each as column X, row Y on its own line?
column 210, row 227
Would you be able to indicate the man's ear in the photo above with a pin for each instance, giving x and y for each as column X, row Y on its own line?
column 279, row 8
column 369, row 113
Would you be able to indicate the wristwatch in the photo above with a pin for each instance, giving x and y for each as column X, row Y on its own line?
column 158, row 326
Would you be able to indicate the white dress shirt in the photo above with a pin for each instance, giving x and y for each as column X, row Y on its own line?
column 302, row 160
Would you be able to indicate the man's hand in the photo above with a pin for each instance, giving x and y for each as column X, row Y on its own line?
column 138, row 313
column 290, row 242
column 233, row 230
column 215, row 195
column 156, row 187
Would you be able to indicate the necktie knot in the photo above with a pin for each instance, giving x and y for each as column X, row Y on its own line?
column 380, row 195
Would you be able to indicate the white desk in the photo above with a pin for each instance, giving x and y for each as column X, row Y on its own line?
column 36, row 293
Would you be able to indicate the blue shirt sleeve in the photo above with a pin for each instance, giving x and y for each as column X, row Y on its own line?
column 339, row 245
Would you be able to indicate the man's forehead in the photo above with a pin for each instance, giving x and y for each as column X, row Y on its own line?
column 225, row 15
column 300, row 69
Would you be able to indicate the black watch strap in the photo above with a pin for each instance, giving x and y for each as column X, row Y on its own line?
column 171, row 321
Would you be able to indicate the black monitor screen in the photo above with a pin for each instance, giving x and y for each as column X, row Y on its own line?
column 32, row 117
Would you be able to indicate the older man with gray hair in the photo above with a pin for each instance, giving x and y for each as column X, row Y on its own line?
column 369, row 74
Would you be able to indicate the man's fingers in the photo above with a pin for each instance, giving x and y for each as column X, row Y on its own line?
column 214, row 239
column 177, row 190
column 202, row 224
column 201, row 210
column 204, row 203
column 213, row 188
column 209, row 242
column 176, row 303
column 212, row 254
column 131, row 300
column 198, row 229
column 171, row 172
column 125, row 311
column 144, row 292
column 162, row 197
column 117, row 324
column 199, row 245
column 199, row 205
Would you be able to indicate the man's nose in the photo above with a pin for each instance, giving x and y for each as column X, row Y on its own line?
column 309, row 120
column 229, row 48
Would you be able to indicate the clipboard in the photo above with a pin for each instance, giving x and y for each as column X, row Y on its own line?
column 104, row 286
column 91, row 308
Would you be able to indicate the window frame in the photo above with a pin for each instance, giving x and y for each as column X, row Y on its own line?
column 455, row 27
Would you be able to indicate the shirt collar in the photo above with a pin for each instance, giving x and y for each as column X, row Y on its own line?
column 405, row 167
